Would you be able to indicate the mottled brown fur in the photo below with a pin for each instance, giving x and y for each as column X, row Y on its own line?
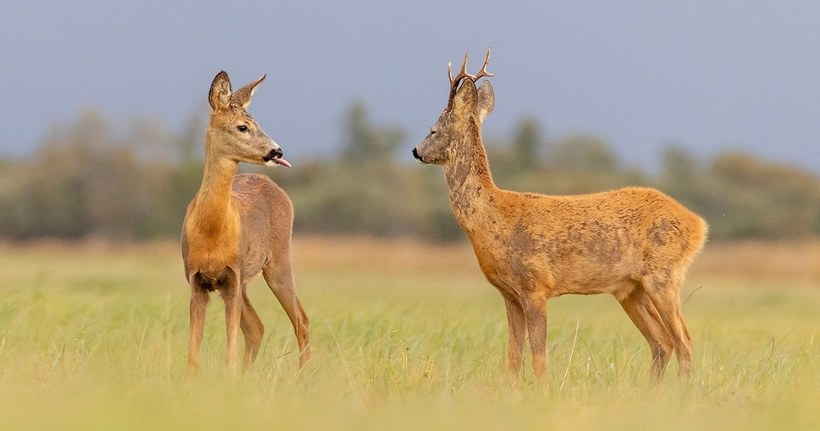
column 236, row 227
column 635, row 243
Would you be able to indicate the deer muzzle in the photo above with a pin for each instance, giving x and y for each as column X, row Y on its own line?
column 417, row 155
column 275, row 157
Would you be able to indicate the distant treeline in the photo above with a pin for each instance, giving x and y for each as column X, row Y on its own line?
column 95, row 179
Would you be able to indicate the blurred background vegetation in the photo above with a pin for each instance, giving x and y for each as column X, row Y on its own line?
column 96, row 179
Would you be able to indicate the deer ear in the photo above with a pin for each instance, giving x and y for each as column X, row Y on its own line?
column 464, row 102
column 220, row 95
column 486, row 100
column 243, row 96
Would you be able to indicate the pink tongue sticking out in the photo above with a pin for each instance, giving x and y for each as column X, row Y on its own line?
column 282, row 162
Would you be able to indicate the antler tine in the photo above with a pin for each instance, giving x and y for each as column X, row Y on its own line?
column 463, row 72
column 455, row 81
column 483, row 72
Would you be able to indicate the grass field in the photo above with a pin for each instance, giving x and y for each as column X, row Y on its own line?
column 405, row 336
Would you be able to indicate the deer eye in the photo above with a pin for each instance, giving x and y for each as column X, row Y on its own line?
column 432, row 132
column 242, row 128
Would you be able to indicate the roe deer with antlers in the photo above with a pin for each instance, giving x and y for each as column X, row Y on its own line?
column 238, row 226
column 635, row 243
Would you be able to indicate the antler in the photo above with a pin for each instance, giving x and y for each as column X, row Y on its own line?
column 461, row 74
column 454, row 82
column 483, row 72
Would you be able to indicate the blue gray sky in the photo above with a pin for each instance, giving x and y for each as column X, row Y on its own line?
column 708, row 75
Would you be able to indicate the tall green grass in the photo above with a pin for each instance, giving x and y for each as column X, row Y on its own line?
column 95, row 338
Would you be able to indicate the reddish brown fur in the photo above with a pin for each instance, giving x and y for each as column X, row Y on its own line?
column 635, row 243
column 236, row 227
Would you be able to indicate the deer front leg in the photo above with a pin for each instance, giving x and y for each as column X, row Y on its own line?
column 233, row 314
column 517, row 327
column 535, row 312
column 232, row 295
column 199, row 301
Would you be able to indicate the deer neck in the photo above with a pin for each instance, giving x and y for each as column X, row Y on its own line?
column 215, row 213
column 473, row 194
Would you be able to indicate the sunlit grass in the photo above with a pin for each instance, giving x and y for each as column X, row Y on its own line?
column 405, row 336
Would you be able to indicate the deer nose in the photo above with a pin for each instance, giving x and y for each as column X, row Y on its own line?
column 275, row 153
column 416, row 154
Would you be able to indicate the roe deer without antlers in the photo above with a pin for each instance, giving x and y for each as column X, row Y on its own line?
column 635, row 243
column 238, row 226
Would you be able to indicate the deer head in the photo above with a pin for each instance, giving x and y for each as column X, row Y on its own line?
column 466, row 106
column 234, row 133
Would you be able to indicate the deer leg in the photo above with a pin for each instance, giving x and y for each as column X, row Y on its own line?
column 199, row 301
column 643, row 314
column 232, row 295
column 684, row 360
column 517, row 326
column 281, row 283
column 666, row 343
column 666, row 299
column 535, row 313
column 252, row 330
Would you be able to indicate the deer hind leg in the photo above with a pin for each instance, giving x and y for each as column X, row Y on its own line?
column 643, row 314
column 199, row 301
column 685, row 361
column 535, row 313
column 665, row 296
column 517, row 326
column 252, row 329
column 280, row 280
